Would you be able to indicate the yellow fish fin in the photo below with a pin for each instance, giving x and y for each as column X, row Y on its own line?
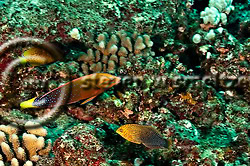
column 28, row 104
column 89, row 99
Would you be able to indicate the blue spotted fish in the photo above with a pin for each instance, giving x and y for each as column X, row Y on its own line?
column 84, row 88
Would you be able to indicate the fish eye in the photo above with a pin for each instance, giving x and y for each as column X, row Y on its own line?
column 121, row 130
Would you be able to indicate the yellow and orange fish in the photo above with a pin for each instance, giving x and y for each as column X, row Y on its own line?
column 141, row 134
column 37, row 56
column 83, row 88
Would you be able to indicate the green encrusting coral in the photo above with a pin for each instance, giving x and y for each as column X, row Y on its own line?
column 220, row 136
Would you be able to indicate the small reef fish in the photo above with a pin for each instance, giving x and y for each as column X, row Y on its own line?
column 141, row 134
column 37, row 56
column 83, row 88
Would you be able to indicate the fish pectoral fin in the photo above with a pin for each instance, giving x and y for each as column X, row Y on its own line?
column 88, row 100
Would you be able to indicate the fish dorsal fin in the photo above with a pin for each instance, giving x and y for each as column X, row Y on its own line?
column 89, row 99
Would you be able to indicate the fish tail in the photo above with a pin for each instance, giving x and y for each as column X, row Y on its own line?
column 22, row 60
column 28, row 104
column 168, row 143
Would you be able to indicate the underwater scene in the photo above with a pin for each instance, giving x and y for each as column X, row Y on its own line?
column 124, row 82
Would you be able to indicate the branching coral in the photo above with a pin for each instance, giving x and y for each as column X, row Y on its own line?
column 33, row 145
column 114, row 51
column 216, row 11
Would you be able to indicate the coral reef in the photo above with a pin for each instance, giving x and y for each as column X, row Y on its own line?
column 79, row 146
column 184, row 66
column 33, row 145
column 217, row 11
column 111, row 53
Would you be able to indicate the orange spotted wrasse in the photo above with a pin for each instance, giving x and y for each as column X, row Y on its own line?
column 141, row 134
column 84, row 88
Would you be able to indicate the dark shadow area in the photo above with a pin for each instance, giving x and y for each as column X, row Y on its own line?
column 240, row 1
column 200, row 5
column 192, row 60
column 158, row 44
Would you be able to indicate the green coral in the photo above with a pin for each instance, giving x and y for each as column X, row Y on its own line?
column 220, row 136
column 187, row 130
